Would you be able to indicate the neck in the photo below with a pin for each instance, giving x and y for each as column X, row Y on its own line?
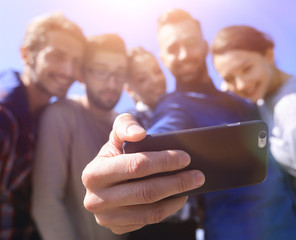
column 37, row 98
column 197, row 84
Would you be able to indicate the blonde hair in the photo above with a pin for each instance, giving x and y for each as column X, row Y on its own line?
column 173, row 16
column 36, row 32
column 110, row 42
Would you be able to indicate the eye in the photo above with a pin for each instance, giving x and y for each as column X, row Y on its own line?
column 191, row 42
column 157, row 71
column 229, row 79
column 121, row 74
column 173, row 49
column 77, row 62
column 246, row 69
column 141, row 80
column 56, row 55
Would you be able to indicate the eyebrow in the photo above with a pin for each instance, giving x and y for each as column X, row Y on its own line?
column 242, row 63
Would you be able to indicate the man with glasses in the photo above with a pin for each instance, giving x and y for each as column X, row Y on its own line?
column 71, row 132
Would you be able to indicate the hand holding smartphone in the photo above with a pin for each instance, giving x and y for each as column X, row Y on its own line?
column 232, row 155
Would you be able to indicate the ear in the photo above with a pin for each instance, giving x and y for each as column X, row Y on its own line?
column 128, row 89
column 162, row 58
column 27, row 56
column 224, row 86
column 130, row 92
column 269, row 54
column 81, row 76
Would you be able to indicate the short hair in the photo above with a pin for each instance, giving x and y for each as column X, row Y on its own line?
column 241, row 37
column 106, row 42
column 175, row 16
column 133, row 53
column 36, row 32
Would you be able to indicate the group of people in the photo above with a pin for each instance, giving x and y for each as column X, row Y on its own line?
column 63, row 171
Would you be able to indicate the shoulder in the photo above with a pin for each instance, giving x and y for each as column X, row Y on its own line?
column 176, row 98
column 9, row 83
column 63, row 106
column 285, row 98
column 62, row 110
column 287, row 104
column 7, row 118
column 8, row 124
column 9, row 79
column 243, row 103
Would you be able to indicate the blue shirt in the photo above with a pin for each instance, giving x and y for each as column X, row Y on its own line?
column 264, row 211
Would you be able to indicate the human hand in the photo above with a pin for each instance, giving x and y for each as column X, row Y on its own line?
column 123, row 205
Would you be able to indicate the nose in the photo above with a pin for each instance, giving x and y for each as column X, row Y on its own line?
column 68, row 68
column 241, row 84
column 183, row 53
column 111, row 81
column 157, row 80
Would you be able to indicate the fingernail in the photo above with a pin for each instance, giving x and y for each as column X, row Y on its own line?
column 134, row 129
column 198, row 178
column 184, row 159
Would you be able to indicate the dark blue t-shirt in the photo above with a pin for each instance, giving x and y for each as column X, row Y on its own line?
column 265, row 211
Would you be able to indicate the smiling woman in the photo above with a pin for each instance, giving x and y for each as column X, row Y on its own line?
column 244, row 57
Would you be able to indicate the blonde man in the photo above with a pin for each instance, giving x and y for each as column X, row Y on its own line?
column 52, row 51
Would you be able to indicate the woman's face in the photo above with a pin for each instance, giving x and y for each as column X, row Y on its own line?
column 246, row 73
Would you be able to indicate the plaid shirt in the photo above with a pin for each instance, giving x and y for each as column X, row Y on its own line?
column 17, row 143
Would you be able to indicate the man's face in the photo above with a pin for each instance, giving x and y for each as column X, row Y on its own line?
column 183, row 50
column 57, row 64
column 148, row 81
column 104, row 77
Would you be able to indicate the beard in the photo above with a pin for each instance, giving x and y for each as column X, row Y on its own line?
column 99, row 103
column 190, row 77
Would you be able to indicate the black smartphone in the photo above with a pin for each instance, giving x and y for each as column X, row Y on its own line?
column 232, row 155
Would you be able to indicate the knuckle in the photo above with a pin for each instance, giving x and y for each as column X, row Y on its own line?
column 92, row 203
column 156, row 215
column 146, row 193
column 181, row 183
column 137, row 164
column 90, row 177
column 102, row 221
column 85, row 177
column 166, row 162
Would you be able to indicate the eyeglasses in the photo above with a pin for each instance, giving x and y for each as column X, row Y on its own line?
column 104, row 75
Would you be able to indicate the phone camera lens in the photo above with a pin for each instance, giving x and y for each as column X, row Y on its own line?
column 262, row 139
column 262, row 134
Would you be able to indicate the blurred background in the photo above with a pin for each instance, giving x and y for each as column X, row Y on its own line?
column 136, row 21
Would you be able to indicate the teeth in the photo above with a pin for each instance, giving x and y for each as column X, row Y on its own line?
column 62, row 80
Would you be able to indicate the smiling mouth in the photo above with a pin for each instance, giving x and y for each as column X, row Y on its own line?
column 251, row 92
column 62, row 80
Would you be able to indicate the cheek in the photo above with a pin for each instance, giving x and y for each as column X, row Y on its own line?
column 94, row 86
column 261, row 76
column 169, row 60
column 198, row 52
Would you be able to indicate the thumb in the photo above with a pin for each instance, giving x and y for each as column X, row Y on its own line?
column 125, row 128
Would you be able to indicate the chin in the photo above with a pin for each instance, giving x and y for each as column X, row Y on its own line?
column 60, row 95
column 187, row 80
